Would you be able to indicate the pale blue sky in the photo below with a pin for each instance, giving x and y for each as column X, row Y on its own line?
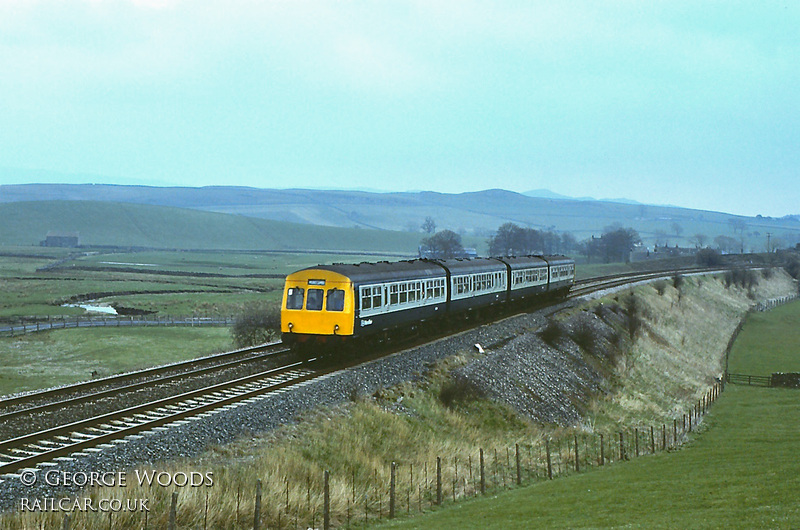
column 690, row 103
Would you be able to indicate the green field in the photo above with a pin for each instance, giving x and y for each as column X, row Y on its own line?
column 41, row 360
column 739, row 472
column 165, row 282
column 769, row 342
column 136, row 225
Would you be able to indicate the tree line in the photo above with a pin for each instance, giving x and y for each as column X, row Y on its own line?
column 513, row 240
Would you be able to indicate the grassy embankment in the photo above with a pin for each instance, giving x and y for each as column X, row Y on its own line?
column 374, row 431
column 741, row 472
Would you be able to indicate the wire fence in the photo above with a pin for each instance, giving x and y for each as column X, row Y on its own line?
column 23, row 326
column 403, row 489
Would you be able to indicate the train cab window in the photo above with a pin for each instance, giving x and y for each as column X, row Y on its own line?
column 335, row 300
column 294, row 298
column 314, row 300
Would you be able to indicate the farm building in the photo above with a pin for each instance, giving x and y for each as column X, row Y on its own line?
column 61, row 239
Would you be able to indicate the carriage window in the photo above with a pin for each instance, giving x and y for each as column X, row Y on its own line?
column 294, row 298
column 335, row 301
column 314, row 301
column 366, row 298
column 377, row 296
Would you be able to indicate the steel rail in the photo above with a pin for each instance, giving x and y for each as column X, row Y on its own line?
column 146, row 372
column 23, row 443
column 132, row 387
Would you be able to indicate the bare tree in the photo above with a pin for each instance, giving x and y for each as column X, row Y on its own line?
column 429, row 226
column 442, row 245
column 662, row 238
column 616, row 245
column 677, row 228
column 726, row 244
column 699, row 240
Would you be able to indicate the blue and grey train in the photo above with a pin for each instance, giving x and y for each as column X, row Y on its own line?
column 335, row 304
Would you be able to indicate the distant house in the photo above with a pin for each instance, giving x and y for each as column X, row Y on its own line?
column 61, row 239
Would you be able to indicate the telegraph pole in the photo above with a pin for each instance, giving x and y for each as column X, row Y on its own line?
column 769, row 249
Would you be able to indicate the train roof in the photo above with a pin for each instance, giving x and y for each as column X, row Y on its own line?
column 557, row 259
column 385, row 270
column 524, row 262
column 474, row 265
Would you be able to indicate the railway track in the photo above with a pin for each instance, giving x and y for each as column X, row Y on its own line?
column 93, row 433
column 590, row 285
column 13, row 406
column 90, row 434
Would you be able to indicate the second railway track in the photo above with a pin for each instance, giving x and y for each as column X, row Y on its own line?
column 58, row 442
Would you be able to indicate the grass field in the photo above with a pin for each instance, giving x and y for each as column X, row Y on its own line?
column 740, row 472
column 126, row 225
column 769, row 342
column 164, row 282
column 41, row 360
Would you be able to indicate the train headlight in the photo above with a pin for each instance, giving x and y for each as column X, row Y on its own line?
column 290, row 326
column 335, row 328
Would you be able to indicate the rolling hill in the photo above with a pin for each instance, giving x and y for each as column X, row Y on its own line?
column 475, row 214
column 140, row 225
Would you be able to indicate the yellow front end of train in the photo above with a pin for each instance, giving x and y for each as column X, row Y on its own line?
column 317, row 305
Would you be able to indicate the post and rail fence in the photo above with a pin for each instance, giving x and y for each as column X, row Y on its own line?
column 346, row 499
column 778, row 379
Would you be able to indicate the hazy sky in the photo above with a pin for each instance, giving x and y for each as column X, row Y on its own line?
column 690, row 103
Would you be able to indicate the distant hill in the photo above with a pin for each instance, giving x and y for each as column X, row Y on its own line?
column 475, row 215
column 119, row 224
column 547, row 194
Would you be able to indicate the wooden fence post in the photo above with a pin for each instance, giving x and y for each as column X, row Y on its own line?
column 205, row 513
column 439, row 480
column 602, row 452
column 636, row 435
column 326, row 496
column 621, row 445
column 391, row 491
column 519, row 467
column 173, row 511
column 257, row 511
column 577, row 458
column 652, row 441
column 549, row 461
column 483, row 476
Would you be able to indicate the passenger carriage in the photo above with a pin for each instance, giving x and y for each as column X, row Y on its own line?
column 333, row 303
column 361, row 299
